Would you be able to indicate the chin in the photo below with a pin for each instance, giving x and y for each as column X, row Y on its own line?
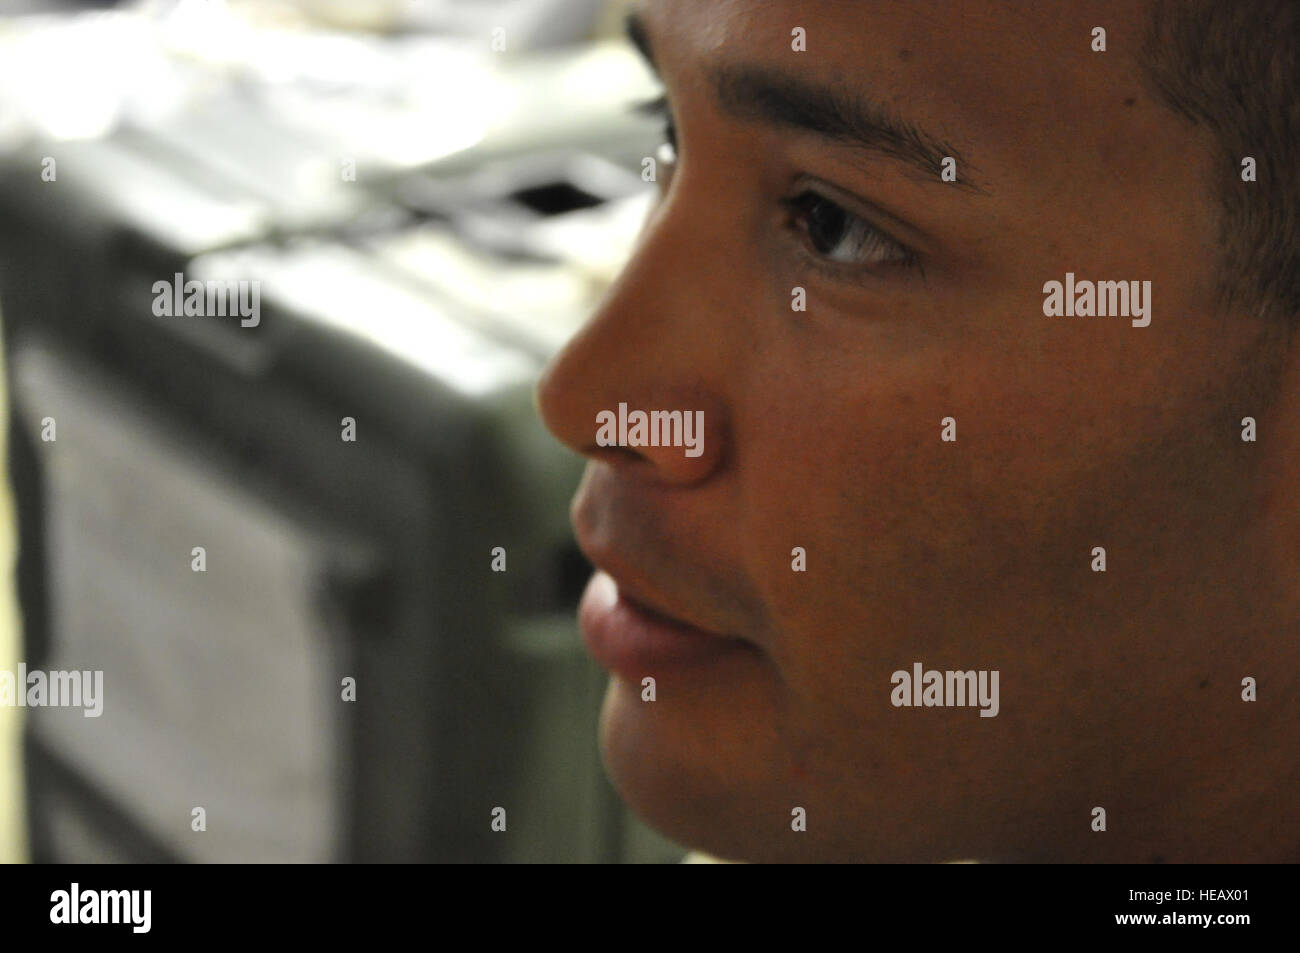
column 696, row 772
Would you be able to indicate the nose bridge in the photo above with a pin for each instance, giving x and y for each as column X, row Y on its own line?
column 651, row 299
column 643, row 349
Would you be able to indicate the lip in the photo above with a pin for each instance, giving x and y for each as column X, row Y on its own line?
column 634, row 640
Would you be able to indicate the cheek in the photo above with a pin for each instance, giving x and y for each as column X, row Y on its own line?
column 856, row 475
column 908, row 538
column 819, row 470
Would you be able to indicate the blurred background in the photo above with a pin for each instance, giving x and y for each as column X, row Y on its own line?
column 431, row 196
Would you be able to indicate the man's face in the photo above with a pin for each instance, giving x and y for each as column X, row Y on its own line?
column 822, row 430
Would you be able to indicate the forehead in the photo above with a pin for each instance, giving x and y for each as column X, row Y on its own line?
column 1012, row 78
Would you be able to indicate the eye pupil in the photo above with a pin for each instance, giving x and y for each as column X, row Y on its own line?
column 841, row 237
column 826, row 223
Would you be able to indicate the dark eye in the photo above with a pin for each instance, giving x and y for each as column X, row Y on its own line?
column 659, row 107
column 670, row 141
column 840, row 236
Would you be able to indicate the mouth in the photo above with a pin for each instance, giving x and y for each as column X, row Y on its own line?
column 634, row 640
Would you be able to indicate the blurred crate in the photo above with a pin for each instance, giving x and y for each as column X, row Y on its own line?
column 421, row 304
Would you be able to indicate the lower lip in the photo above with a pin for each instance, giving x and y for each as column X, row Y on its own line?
column 629, row 641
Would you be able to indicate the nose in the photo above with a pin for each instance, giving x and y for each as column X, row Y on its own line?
column 651, row 349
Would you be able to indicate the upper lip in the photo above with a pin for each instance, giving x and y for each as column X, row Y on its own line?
column 637, row 589
column 634, row 596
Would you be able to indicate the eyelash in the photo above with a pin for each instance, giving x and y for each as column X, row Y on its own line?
column 657, row 108
column 801, row 205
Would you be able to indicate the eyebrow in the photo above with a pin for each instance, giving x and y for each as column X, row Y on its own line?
column 759, row 94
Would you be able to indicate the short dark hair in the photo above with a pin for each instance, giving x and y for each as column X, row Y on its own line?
column 1233, row 68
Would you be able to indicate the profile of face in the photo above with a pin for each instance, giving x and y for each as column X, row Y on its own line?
column 907, row 462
